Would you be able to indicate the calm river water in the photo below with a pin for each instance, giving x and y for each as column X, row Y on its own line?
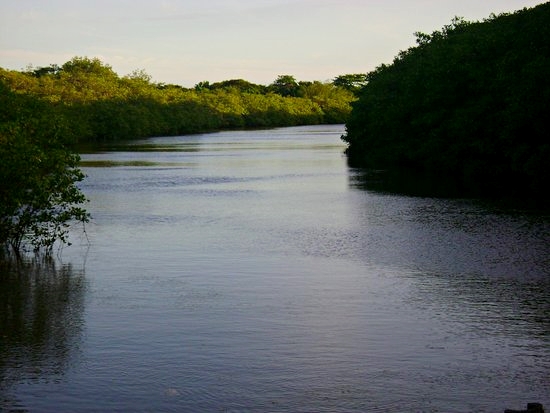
column 254, row 272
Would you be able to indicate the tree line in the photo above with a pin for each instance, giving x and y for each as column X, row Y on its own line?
column 469, row 104
column 104, row 106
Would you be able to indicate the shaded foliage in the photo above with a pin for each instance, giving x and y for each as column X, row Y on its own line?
column 39, row 196
column 237, row 85
column 352, row 82
column 468, row 103
column 285, row 85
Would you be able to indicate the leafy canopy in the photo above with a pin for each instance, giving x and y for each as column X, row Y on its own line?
column 99, row 105
column 468, row 103
column 39, row 197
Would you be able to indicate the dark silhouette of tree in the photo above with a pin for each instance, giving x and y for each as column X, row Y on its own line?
column 468, row 103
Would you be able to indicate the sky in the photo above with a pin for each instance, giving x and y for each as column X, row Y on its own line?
column 185, row 42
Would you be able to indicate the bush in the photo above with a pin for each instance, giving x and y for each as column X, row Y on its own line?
column 39, row 197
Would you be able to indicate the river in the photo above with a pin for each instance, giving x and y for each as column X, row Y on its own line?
column 253, row 271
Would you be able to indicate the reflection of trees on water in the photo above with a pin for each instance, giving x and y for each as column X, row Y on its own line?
column 41, row 320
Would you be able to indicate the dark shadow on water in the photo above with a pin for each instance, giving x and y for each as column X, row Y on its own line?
column 415, row 184
column 41, row 323
column 483, row 277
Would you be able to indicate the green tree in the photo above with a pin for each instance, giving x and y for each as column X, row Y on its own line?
column 39, row 197
column 140, row 75
column 285, row 85
column 334, row 101
column 240, row 85
column 52, row 70
column 352, row 82
column 468, row 103
column 202, row 86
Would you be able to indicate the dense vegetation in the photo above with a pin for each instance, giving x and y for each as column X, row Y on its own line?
column 39, row 173
column 102, row 106
column 469, row 103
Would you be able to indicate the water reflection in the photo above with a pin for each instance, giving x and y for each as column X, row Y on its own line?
column 479, row 280
column 405, row 183
column 252, row 277
column 501, row 238
column 412, row 183
column 41, row 322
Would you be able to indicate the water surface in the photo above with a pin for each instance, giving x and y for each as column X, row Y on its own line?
column 251, row 271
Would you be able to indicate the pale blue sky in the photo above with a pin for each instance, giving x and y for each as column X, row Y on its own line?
column 188, row 41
